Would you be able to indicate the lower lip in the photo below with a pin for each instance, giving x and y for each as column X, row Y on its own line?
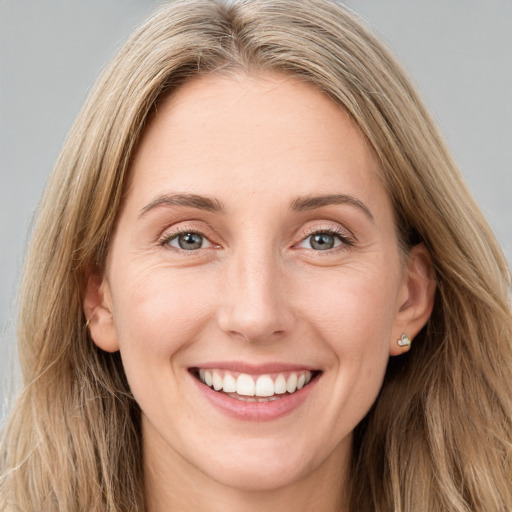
column 256, row 411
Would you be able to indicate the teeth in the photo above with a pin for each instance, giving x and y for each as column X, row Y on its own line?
column 229, row 384
column 280, row 385
column 217, row 381
column 245, row 385
column 264, row 388
column 291, row 383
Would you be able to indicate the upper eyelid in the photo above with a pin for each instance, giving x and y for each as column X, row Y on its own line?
column 333, row 230
column 207, row 231
column 167, row 237
column 190, row 226
column 338, row 230
column 343, row 238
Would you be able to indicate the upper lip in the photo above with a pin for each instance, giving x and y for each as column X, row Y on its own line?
column 254, row 369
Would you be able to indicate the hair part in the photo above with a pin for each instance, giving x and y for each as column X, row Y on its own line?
column 73, row 441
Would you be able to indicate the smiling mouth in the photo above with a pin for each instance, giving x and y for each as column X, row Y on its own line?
column 255, row 388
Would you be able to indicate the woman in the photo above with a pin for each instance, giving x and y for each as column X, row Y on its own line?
column 251, row 219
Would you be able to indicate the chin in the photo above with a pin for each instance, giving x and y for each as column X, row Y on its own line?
column 270, row 464
column 258, row 475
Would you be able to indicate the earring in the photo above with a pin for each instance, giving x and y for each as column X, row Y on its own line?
column 87, row 323
column 404, row 340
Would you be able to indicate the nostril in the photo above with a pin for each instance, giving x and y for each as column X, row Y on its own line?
column 257, row 337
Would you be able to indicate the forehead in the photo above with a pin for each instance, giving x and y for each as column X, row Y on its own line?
column 264, row 133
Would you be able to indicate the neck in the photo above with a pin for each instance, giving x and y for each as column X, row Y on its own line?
column 172, row 483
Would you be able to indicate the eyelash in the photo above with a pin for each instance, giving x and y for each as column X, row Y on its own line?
column 346, row 240
column 168, row 237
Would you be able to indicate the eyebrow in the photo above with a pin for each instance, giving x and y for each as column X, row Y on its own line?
column 190, row 200
column 313, row 202
column 214, row 205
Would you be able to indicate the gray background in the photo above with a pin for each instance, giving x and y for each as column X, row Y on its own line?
column 459, row 52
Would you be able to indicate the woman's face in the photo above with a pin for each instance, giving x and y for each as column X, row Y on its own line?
column 256, row 254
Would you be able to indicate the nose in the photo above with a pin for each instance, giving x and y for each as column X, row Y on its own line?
column 255, row 303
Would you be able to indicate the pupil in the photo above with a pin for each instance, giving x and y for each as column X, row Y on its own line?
column 190, row 241
column 322, row 241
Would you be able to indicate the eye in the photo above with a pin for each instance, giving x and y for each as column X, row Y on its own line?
column 323, row 241
column 188, row 241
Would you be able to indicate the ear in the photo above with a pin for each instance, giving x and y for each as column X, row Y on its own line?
column 416, row 299
column 98, row 311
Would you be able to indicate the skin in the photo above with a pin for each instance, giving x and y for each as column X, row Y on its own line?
column 256, row 291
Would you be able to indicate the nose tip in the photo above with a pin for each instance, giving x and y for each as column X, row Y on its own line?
column 255, row 307
column 252, row 330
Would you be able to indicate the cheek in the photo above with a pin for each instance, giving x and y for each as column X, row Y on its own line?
column 354, row 306
column 158, row 315
column 353, row 315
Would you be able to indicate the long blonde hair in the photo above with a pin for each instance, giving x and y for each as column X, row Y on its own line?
column 439, row 435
